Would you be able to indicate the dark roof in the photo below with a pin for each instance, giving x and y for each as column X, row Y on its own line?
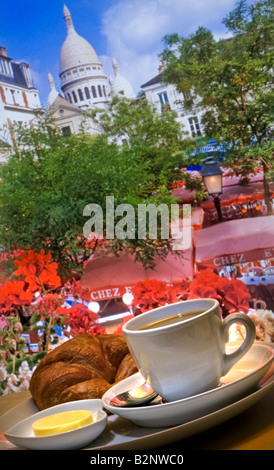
column 153, row 81
column 17, row 78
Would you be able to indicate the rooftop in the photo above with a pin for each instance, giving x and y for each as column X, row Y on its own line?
column 153, row 81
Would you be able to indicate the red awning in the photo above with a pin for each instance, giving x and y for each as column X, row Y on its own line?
column 237, row 194
column 234, row 242
column 111, row 276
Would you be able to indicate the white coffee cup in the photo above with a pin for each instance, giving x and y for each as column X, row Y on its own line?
column 188, row 357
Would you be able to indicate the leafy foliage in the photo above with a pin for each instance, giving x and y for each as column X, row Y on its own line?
column 50, row 178
column 231, row 80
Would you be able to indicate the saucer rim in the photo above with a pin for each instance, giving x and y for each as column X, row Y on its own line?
column 148, row 438
column 133, row 409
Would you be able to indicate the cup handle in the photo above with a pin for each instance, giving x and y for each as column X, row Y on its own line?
column 230, row 359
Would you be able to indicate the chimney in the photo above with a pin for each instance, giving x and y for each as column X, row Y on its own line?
column 3, row 51
column 162, row 66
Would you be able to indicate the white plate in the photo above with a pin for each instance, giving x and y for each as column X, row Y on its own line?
column 22, row 435
column 240, row 380
column 122, row 434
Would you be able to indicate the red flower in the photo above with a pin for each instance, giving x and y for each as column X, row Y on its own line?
column 82, row 320
column 207, row 277
column 13, row 294
column 150, row 293
column 77, row 290
column 48, row 306
column 199, row 291
column 236, row 297
column 232, row 294
column 183, row 289
column 38, row 270
column 204, row 285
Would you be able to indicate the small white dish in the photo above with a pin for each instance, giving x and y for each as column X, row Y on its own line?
column 22, row 435
column 243, row 378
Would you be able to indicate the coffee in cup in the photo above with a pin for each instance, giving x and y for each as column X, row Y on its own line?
column 170, row 320
column 180, row 348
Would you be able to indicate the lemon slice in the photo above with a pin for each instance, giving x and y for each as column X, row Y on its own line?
column 62, row 422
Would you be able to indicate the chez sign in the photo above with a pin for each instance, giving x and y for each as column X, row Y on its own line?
column 238, row 258
column 109, row 293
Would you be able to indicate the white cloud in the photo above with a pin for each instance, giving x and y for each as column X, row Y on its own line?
column 135, row 30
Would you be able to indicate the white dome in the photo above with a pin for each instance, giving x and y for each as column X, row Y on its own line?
column 75, row 49
column 119, row 84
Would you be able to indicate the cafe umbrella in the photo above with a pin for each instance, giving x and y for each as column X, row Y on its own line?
column 234, row 242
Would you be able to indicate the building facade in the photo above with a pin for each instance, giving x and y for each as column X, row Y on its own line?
column 67, row 116
column 165, row 96
column 19, row 99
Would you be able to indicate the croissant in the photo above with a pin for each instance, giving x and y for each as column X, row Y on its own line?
column 83, row 367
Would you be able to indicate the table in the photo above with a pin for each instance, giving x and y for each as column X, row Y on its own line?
column 251, row 430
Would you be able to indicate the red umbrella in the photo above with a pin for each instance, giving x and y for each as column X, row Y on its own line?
column 111, row 276
column 237, row 194
column 234, row 242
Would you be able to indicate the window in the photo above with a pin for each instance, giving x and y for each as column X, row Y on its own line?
column 74, row 97
column 194, row 126
column 5, row 67
column 94, row 94
column 100, row 90
column 164, row 100
column 69, row 98
column 87, row 93
column 66, row 131
column 13, row 97
column 187, row 96
column 80, row 93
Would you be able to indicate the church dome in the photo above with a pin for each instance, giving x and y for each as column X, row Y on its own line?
column 75, row 50
column 119, row 84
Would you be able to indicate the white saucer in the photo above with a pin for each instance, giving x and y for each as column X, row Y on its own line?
column 241, row 380
column 22, row 435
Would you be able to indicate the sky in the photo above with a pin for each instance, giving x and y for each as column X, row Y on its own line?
column 132, row 31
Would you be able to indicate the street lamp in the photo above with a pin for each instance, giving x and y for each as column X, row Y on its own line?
column 212, row 176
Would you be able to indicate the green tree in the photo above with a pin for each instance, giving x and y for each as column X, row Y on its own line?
column 50, row 178
column 232, row 82
column 154, row 139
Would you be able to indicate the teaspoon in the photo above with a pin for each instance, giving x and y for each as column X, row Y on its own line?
column 135, row 396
